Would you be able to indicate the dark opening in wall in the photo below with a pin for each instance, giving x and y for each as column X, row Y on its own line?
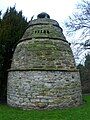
column 72, row 76
column 44, row 31
column 47, row 31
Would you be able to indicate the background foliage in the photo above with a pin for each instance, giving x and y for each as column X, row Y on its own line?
column 12, row 27
column 85, row 74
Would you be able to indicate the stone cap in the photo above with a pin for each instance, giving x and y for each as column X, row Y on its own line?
column 43, row 15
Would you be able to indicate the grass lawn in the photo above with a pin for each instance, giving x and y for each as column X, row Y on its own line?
column 79, row 113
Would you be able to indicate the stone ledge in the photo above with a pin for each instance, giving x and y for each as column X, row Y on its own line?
column 40, row 69
column 58, row 38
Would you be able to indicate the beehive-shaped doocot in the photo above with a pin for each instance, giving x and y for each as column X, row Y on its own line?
column 43, row 72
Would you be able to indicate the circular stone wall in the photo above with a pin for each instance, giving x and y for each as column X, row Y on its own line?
column 43, row 89
column 43, row 54
column 43, row 72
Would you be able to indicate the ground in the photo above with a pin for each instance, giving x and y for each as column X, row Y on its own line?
column 79, row 113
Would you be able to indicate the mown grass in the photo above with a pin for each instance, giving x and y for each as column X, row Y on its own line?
column 79, row 113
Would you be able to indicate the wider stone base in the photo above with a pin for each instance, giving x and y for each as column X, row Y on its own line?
column 43, row 89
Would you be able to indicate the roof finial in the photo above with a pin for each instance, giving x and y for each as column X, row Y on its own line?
column 43, row 15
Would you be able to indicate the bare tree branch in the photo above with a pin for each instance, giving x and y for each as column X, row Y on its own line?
column 80, row 21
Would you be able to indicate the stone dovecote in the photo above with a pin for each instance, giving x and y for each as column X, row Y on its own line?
column 43, row 73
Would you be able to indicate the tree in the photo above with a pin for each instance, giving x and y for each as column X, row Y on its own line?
column 85, row 74
column 12, row 26
column 82, row 71
column 87, row 62
column 87, row 66
column 79, row 22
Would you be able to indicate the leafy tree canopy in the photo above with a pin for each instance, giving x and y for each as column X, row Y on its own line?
column 85, row 74
column 12, row 26
column 87, row 62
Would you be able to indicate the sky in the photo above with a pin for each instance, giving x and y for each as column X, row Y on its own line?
column 57, row 9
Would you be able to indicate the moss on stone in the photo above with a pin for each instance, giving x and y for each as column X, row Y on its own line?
column 45, row 54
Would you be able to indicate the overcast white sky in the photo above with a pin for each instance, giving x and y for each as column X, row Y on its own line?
column 57, row 9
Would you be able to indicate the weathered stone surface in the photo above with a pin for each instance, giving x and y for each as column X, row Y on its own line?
column 48, row 89
column 43, row 54
column 43, row 73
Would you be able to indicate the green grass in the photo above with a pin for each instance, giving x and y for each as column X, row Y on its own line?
column 79, row 113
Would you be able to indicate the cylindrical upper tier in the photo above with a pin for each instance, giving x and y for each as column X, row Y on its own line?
column 44, row 28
